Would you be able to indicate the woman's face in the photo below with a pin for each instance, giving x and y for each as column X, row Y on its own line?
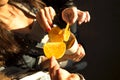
column 3, row 2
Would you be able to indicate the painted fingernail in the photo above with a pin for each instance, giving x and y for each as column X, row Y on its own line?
column 48, row 29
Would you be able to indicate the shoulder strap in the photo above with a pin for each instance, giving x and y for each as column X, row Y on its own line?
column 25, row 8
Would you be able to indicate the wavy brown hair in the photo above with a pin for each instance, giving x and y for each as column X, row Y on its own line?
column 8, row 45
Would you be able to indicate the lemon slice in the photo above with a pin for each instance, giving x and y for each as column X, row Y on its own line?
column 66, row 32
column 55, row 35
column 56, row 49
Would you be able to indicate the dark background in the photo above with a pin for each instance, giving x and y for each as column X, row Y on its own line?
column 100, row 38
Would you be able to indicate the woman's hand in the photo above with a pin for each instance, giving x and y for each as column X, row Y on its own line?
column 56, row 73
column 72, row 14
column 45, row 18
column 83, row 16
column 78, row 55
column 69, row 15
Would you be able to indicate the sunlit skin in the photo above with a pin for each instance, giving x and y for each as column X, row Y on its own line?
column 3, row 2
column 13, row 17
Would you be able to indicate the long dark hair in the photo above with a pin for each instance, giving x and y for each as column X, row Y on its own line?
column 8, row 45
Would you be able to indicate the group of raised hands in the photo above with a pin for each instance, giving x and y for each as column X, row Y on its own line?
column 70, row 15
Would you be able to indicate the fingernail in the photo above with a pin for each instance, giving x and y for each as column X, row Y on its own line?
column 48, row 29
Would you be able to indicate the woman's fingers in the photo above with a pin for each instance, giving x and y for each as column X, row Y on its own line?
column 87, row 16
column 42, row 20
column 54, row 66
column 52, row 12
column 47, row 15
column 69, row 15
column 53, row 62
column 79, row 54
column 83, row 16
column 65, row 75
column 45, row 18
column 62, row 74
column 53, row 72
